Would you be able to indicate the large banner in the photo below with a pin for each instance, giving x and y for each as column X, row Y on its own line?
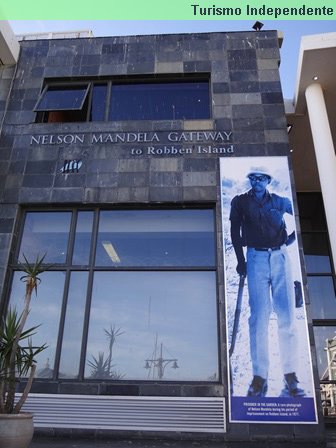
column 269, row 364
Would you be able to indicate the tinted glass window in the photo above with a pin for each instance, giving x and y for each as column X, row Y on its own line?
column 46, row 233
column 62, row 98
column 311, row 209
column 325, row 340
column 153, row 325
column 98, row 105
column 156, row 238
column 46, row 312
column 152, row 318
column 73, row 326
column 81, row 253
column 161, row 101
column 316, row 250
column 322, row 297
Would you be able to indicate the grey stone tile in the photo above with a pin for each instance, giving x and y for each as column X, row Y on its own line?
column 6, row 225
column 102, row 166
column 135, row 194
column 37, row 180
column 272, row 97
column 67, row 195
column 133, row 179
column 33, row 195
column 244, row 86
column 165, row 164
column 133, row 165
column 165, row 179
column 277, row 136
column 250, row 136
column 269, row 75
column 199, row 179
column 241, row 124
column 247, row 111
column 39, row 167
column 199, row 194
column 101, row 180
column 246, row 98
column 197, row 66
column 242, row 59
column 165, row 194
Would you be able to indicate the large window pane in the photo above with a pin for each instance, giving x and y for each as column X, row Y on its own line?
column 156, row 238
column 73, row 327
column 165, row 321
column 311, row 211
column 160, row 101
column 45, row 311
column 322, row 297
column 98, row 105
column 315, row 246
column 81, row 254
column 46, row 233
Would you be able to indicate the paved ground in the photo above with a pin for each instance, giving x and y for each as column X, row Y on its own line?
column 53, row 442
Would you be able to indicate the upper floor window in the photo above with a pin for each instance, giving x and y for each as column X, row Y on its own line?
column 123, row 101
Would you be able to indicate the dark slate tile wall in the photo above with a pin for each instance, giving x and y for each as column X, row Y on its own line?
column 7, row 210
column 246, row 99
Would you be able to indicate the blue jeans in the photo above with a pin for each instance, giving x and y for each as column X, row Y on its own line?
column 270, row 286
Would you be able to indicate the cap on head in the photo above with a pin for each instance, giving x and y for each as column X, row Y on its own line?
column 260, row 170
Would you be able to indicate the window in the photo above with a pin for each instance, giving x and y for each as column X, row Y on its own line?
column 131, row 294
column 63, row 103
column 123, row 101
column 321, row 287
column 159, row 101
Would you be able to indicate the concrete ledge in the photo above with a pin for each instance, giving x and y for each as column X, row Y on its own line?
column 9, row 46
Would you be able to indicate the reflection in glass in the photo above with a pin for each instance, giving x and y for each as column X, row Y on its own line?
column 325, row 341
column 311, row 211
column 81, row 254
column 149, row 315
column 46, row 233
column 73, row 326
column 160, row 101
column 63, row 97
column 98, row 105
column 322, row 297
column 323, row 337
column 156, row 238
column 315, row 246
column 45, row 311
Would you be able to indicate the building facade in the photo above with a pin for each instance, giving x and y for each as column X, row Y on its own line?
column 312, row 140
column 111, row 151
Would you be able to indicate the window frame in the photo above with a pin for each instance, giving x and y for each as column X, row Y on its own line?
column 63, row 84
column 67, row 267
column 320, row 230
column 41, row 114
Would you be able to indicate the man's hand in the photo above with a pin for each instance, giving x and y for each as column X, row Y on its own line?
column 291, row 238
column 241, row 267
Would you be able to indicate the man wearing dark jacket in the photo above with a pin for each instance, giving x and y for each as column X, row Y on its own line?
column 257, row 222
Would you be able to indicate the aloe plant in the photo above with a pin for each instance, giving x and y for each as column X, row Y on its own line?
column 17, row 353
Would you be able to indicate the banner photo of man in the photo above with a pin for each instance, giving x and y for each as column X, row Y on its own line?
column 269, row 360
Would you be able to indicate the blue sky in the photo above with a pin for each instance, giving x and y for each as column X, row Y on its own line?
column 292, row 30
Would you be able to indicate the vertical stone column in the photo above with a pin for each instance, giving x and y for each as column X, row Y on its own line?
column 325, row 156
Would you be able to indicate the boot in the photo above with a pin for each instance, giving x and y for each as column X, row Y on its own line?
column 291, row 388
column 258, row 387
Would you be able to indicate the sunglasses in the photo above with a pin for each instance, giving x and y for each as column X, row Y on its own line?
column 260, row 178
